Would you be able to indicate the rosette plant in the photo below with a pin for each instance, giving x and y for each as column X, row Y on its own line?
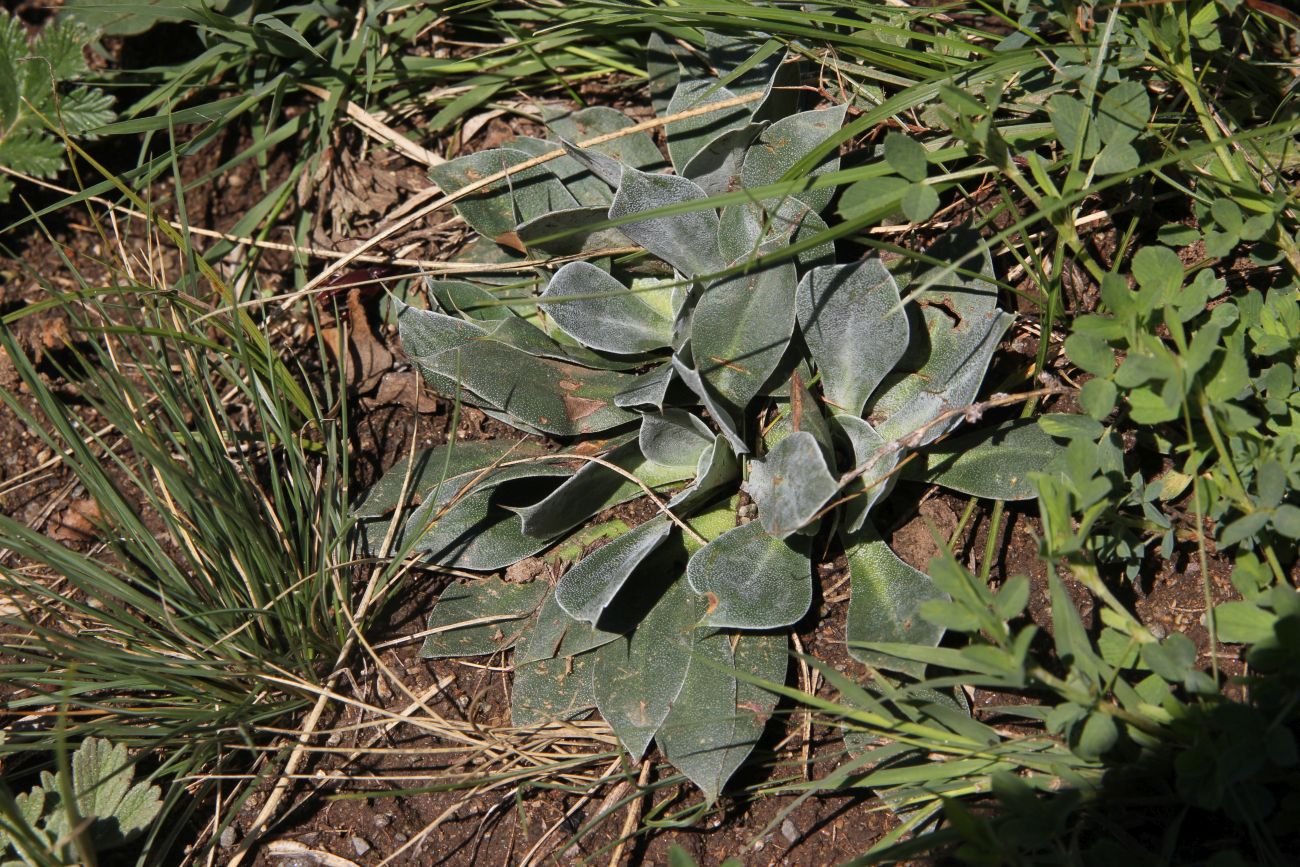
column 758, row 404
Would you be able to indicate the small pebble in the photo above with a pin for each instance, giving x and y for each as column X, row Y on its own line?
column 381, row 820
column 360, row 846
column 789, row 831
column 228, row 837
column 399, row 837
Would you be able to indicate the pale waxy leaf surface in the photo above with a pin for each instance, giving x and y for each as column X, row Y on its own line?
column 718, row 719
column 716, row 166
column 674, row 438
column 639, row 677
column 497, row 209
column 587, row 588
column 687, row 241
column 790, row 484
column 555, row 634
column 602, row 313
column 571, row 232
column 887, row 595
column 544, row 394
column 507, row 605
column 551, row 690
column 650, row 389
column 585, row 187
column 789, row 140
column 595, row 488
column 753, row 581
column 718, row 411
column 865, row 445
column 636, row 149
column 993, row 463
column 741, row 328
column 745, row 228
column 854, row 327
column 718, row 468
column 688, row 137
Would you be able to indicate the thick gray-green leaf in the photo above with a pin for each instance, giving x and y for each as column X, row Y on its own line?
column 718, row 411
column 583, row 184
column 478, row 617
column 790, row 484
column 636, row 149
column 753, row 581
column 647, row 390
column 543, row 393
column 587, row 588
column 994, row 463
column 716, row 166
column 595, row 488
column 687, row 241
column 686, row 138
column 552, row 690
column 570, row 233
column 887, row 595
column 555, row 634
column 718, row 469
column 602, row 313
column 865, row 446
column 786, row 142
column 853, row 325
column 744, row 229
column 718, row 719
column 674, row 438
column 608, row 169
column 740, row 331
column 496, row 210
column 639, row 677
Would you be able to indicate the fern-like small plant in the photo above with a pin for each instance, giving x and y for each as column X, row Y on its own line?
column 704, row 376
column 108, row 809
column 33, row 75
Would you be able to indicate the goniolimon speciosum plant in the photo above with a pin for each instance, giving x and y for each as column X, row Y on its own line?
column 737, row 365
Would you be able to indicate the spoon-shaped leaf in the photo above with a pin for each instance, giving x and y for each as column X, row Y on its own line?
column 751, row 580
column 687, row 241
column 587, row 588
column 602, row 313
column 790, row 484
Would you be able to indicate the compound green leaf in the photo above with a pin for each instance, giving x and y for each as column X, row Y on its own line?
column 598, row 311
column 478, row 617
column 638, row 678
column 887, row 595
column 995, row 463
column 751, row 580
column 854, row 327
column 790, row 484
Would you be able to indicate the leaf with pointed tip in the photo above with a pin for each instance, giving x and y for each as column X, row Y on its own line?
column 674, row 438
column 475, row 531
column 608, row 169
column 854, row 327
column 595, row 488
column 716, row 166
column 688, row 137
column 687, row 241
column 583, row 184
column 752, row 580
column 650, row 389
column 586, row 589
column 496, row 210
column 717, row 719
column 744, row 229
column 887, row 595
column 638, row 678
column 740, row 331
column 790, row 484
column 994, row 463
column 865, row 445
column 570, row 232
column 554, row 634
column 543, row 393
column 637, row 149
column 602, row 313
column 478, row 617
column 720, row 414
column 786, row 142
column 552, row 690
